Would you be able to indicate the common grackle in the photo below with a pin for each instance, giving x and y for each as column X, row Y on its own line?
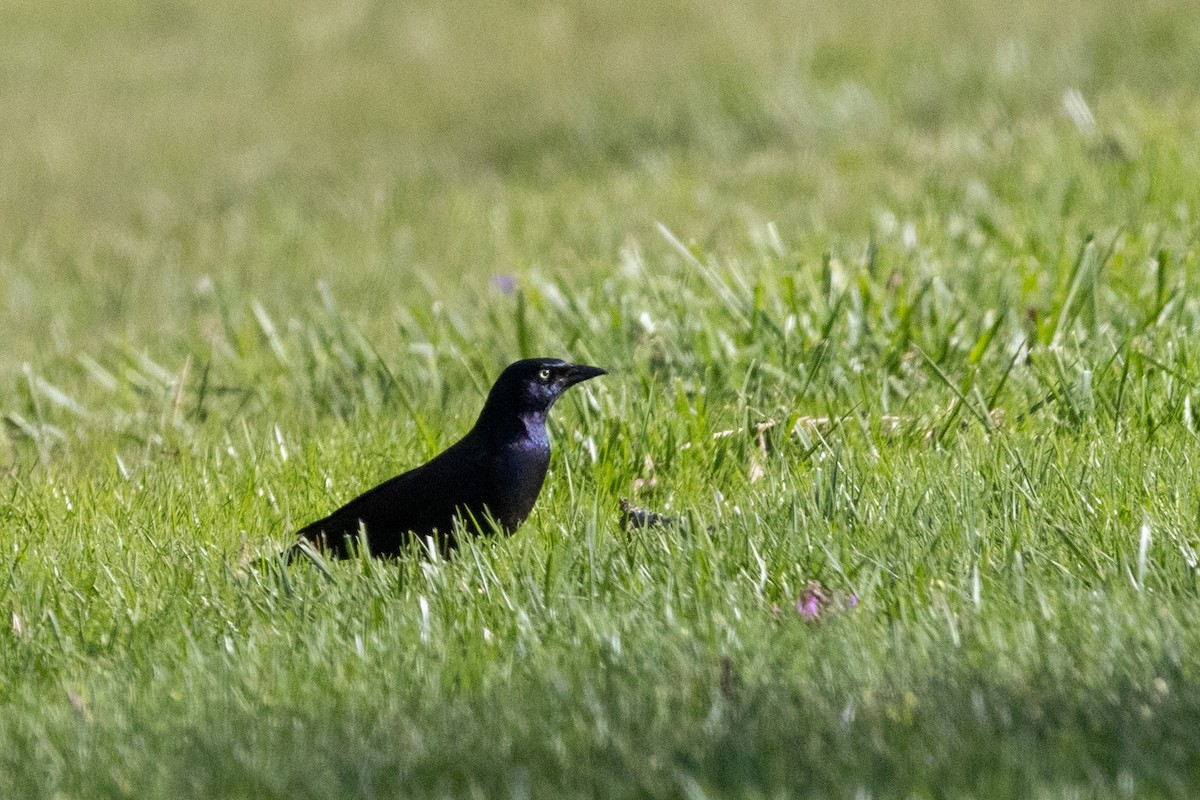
column 493, row 474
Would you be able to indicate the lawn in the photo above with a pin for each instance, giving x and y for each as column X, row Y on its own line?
column 897, row 299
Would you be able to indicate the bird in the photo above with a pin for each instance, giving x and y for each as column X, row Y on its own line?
column 487, row 480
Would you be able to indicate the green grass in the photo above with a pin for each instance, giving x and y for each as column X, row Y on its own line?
column 900, row 299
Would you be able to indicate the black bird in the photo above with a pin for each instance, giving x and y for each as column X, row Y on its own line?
column 494, row 473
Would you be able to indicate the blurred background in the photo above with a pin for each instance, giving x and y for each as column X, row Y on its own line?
column 156, row 155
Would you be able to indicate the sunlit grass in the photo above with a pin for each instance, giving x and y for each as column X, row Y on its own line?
column 901, row 303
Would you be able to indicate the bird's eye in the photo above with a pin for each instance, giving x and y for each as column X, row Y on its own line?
column 544, row 375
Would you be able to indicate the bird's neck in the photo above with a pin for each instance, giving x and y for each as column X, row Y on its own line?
column 507, row 427
column 534, row 427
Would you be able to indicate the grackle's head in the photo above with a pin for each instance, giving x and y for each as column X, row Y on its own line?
column 532, row 385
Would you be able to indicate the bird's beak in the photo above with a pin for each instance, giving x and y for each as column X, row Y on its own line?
column 578, row 373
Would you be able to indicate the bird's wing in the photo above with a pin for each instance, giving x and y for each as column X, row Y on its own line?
column 420, row 500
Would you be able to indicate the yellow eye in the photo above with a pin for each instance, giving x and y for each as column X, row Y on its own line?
column 544, row 375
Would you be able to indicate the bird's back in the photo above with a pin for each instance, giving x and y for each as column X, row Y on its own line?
column 471, row 481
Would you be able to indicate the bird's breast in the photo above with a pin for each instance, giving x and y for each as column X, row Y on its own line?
column 517, row 479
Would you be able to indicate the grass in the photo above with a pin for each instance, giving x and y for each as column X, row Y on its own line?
column 896, row 301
